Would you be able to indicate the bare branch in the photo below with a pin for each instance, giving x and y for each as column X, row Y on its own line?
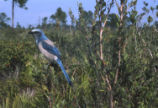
column 102, row 30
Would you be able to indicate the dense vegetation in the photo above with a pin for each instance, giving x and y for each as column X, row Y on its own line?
column 125, row 77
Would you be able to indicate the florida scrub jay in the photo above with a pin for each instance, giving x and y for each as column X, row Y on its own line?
column 48, row 49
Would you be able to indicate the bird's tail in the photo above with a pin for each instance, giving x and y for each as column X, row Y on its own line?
column 64, row 71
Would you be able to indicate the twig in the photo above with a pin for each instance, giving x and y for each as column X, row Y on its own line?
column 102, row 29
column 119, row 42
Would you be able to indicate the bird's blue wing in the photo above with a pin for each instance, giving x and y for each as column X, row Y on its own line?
column 51, row 49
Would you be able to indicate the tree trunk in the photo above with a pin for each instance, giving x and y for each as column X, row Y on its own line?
column 119, row 41
column 13, row 13
column 101, row 44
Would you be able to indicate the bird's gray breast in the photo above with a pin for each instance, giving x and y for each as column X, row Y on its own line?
column 47, row 54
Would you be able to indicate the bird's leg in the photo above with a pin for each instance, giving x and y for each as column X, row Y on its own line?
column 48, row 67
column 55, row 66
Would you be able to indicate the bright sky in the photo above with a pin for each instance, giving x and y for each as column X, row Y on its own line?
column 37, row 9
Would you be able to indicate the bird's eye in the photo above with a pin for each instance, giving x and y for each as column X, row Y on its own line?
column 38, row 33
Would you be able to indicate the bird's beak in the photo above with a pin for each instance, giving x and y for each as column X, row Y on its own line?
column 30, row 32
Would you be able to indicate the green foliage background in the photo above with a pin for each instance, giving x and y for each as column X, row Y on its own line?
column 27, row 82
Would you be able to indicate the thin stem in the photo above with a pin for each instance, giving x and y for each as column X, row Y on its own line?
column 13, row 1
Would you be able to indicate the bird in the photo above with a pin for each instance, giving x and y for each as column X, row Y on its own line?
column 49, row 50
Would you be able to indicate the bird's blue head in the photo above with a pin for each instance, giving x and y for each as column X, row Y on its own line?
column 38, row 34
